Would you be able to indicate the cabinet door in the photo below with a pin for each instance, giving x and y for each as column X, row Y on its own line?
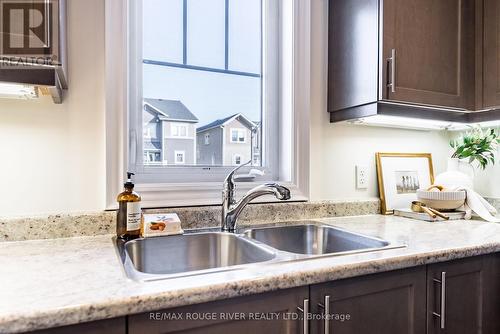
column 389, row 303
column 108, row 326
column 271, row 313
column 471, row 296
column 353, row 50
column 431, row 47
column 491, row 54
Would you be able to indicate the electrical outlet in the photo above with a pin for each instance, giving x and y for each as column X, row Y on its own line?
column 361, row 177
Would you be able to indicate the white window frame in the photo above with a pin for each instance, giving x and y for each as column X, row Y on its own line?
column 293, row 134
column 207, row 139
column 183, row 153
column 238, row 132
column 234, row 159
column 153, row 152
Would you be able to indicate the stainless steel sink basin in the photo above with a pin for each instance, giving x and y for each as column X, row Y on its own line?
column 313, row 239
column 193, row 252
column 209, row 251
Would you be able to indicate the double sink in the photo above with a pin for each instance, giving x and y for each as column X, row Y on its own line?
column 196, row 253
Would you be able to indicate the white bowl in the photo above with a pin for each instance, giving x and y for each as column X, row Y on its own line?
column 442, row 200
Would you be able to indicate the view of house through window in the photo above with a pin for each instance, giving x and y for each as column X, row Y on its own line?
column 202, row 82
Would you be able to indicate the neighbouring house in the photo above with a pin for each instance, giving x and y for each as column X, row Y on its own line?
column 256, row 143
column 229, row 141
column 169, row 133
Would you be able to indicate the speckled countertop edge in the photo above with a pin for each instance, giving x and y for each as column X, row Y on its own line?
column 67, row 302
column 243, row 287
column 102, row 223
column 495, row 202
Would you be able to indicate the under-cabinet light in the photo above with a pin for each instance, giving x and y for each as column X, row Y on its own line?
column 464, row 127
column 18, row 91
column 404, row 123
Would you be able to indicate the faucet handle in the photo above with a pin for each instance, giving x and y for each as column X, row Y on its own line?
column 229, row 180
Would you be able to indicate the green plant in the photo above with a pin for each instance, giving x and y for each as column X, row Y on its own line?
column 477, row 145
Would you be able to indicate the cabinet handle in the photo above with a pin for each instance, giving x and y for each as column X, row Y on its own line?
column 441, row 315
column 305, row 310
column 48, row 18
column 326, row 307
column 392, row 62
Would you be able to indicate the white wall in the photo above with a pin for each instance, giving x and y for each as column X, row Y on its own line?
column 337, row 148
column 52, row 156
column 486, row 182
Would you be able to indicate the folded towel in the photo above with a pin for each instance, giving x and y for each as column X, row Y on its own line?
column 475, row 202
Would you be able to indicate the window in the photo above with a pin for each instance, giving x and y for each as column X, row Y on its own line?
column 179, row 130
column 202, row 62
column 179, row 157
column 152, row 156
column 212, row 65
column 237, row 159
column 238, row 135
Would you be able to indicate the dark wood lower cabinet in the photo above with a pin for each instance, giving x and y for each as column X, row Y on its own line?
column 244, row 315
column 470, row 289
column 389, row 303
column 406, row 301
column 108, row 326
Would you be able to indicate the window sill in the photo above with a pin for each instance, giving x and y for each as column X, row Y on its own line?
column 209, row 193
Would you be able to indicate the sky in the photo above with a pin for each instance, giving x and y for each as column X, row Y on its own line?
column 208, row 95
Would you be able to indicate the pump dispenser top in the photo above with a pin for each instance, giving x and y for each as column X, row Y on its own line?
column 129, row 183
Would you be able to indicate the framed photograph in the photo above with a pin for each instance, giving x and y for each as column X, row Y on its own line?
column 400, row 175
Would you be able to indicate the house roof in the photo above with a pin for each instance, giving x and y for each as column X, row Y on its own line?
column 152, row 145
column 171, row 110
column 223, row 121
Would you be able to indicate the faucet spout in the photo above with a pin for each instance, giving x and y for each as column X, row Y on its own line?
column 232, row 209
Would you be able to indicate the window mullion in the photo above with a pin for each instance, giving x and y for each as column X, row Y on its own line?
column 184, row 32
column 226, row 37
column 134, row 78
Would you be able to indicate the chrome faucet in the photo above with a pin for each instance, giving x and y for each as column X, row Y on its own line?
column 231, row 208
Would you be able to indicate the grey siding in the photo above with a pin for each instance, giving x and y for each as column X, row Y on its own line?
column 210, row 154
column 172, row 144
column 167, row 129
column 232, row 149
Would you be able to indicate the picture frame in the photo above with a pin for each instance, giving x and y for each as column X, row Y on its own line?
column 399, row 177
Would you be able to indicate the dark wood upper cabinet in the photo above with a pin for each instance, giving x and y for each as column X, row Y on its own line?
column 431, row 59
column 491, row 54
column 353, row 69
column 428, row 48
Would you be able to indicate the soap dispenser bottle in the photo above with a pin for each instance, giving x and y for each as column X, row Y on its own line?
column 128, row 222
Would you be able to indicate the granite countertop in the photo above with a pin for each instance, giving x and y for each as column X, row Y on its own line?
column 54, row 282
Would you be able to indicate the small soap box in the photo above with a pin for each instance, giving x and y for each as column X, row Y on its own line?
column 155, row 225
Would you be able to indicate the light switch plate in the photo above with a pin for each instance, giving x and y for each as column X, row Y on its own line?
column 361, row 177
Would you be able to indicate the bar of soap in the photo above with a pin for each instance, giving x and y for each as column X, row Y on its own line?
column 155, row 225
